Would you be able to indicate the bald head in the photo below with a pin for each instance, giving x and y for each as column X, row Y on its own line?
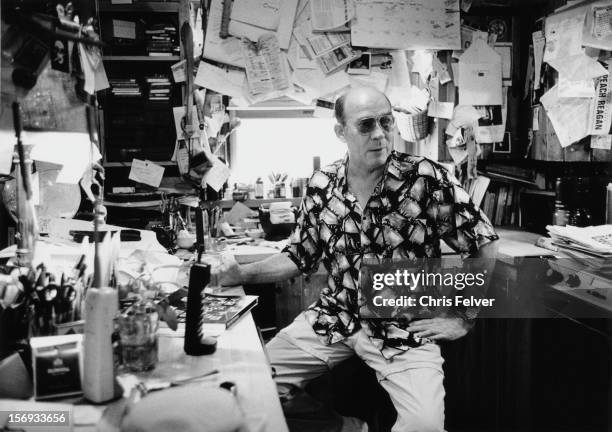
column 358, row 96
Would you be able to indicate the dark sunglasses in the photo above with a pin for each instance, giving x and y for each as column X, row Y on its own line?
column 365, row 126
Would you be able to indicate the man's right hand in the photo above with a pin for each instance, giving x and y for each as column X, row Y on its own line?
column 230, row 272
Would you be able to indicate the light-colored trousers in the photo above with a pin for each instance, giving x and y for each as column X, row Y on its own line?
column 413, row 379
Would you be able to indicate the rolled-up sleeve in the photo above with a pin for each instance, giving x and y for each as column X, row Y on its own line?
column 462, row 225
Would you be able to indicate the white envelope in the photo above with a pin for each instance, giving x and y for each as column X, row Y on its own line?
column 480, row 75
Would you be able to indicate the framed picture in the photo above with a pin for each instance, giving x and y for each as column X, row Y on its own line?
column 505, row 146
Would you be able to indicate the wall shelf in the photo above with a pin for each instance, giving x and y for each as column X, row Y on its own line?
column 142, row 58
column 107, row 6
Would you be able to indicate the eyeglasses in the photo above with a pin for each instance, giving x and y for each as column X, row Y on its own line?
column 365, row 126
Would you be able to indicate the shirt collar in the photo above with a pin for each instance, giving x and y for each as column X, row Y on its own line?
column 342, row 174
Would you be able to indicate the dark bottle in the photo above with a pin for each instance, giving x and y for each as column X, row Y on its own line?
column 197, row 344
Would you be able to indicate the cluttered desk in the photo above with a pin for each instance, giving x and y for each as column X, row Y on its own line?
column 236, row 362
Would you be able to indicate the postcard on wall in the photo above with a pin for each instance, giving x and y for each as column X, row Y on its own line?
column 597, row 31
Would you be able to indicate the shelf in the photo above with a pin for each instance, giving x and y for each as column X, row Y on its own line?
column 107, row 6
column 142, row 58
column 129, row 164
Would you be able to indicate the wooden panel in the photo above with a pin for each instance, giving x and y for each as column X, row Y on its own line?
column 578, row 152
column 599, row 155
column 554, row 151
column 288, row 301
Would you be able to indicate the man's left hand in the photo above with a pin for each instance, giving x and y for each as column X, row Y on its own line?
column 439, row 328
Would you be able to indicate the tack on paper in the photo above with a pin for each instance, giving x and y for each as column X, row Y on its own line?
column 603, row 142
column 329, row 15
column 539, row 43
column 480, row 76
column 419, row 24
column 216, row 175
column 570, row 117
column 441, row 109
column 218, row 79
column 265, row 69
column 227, row 50
column 124, row 29
column 601, row 117
column 146, row 172
column 597, row 31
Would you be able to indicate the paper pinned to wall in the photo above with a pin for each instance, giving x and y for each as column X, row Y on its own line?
column 297, row 56
column 393, row 24
column 601, row 117
column 492, row 126
column 563, row 33
column 441, row 109
column 570, row 117
column 480, row 75
column 539, row 44
column 260, row 13
column 597, row 31
column 146, row 172
column 214, row 78
column 216, row 175
column 329, row 15
column 227, row 50
column 265, row 69
column 285, row 26
column 318, row 44
column 580, row 89
column 179, row 113
column 319, row 84
column 578, row 67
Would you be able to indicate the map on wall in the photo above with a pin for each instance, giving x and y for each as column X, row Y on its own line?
column 406, row 24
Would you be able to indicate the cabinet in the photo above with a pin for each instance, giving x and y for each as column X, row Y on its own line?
column 296, row 294
column 136, row 112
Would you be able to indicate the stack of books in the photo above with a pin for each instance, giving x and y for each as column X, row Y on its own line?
column 161, row 40
column 125, row 87
column 159, row 87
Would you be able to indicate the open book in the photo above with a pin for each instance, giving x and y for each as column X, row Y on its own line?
column 221, row 312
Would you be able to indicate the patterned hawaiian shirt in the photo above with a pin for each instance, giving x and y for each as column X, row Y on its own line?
column 415, row 205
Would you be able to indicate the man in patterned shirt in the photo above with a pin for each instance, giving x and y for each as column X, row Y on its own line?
column 374, row 204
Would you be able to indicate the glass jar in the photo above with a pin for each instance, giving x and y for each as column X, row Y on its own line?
column 138, row 337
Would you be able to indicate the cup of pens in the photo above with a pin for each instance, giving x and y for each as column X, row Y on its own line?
column 138, row 336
